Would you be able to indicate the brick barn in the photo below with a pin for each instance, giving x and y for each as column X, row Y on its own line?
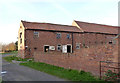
column 78, row 46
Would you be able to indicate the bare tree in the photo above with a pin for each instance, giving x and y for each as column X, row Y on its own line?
column 8, row 47
column 0, row 47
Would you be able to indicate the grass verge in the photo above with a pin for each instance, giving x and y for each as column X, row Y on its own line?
column 69, row 74
column 10, row 58
column 13, row 52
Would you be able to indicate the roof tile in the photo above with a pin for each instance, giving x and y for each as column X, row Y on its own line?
column 92, row 27
column 49, row 26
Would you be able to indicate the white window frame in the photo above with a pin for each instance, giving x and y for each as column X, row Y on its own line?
column 51, row 47
column 60, row 47
column 64, row 48
column 35, row 34
column 77, row 44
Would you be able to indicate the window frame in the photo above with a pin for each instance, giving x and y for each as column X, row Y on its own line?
column 69, row 36
column 36, row 35
column 20, row 40
column 77, row 45
column 58, row 36
column 20, row 37
column 44, row 48
column 58, row 47
column 20, row 34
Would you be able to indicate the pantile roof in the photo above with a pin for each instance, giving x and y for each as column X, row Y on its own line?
column 100, row 28
column 50, row 26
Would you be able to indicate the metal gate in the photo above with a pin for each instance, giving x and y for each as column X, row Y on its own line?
column 109, row 71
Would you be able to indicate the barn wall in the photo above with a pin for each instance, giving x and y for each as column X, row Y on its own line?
column 93, row 48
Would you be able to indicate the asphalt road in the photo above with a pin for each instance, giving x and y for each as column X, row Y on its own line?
column 16, row 72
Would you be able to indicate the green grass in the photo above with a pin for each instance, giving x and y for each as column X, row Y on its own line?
column 10, row 58
column 69, row 74
column 13, row 52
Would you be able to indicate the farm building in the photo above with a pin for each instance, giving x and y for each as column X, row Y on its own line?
column 78, row 46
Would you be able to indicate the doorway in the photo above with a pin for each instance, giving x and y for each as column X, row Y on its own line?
column 69, row 49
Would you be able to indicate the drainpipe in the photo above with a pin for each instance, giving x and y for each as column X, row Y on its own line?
column 25, row 43
column 72, row 42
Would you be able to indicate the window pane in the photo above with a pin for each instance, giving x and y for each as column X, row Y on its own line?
column 58, row 35
column 20, row 35
column 36, row 34
column 58, row 47
column 68, row 36
column 77, row 46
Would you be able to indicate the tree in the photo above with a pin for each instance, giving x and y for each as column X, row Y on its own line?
column 3, row 47
column 16, row 44
column 0, row 47
column 9, row 47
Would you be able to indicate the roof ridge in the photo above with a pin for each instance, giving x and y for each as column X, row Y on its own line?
column 98, row 24
column 47, row 23
column 49, row 26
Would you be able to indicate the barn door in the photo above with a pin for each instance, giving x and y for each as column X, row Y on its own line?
column 64, row 48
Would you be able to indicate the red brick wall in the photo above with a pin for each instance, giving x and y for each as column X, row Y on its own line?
column 21, row 53
column 45, row 38
column 84, row 58
column 49, row 38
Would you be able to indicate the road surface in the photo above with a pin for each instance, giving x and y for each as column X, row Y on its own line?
column 16, row 72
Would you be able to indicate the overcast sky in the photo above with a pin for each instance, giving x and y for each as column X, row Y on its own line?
column 54, row 11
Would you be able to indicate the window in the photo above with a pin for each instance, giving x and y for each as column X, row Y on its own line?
column 68, row 36
column 20, row 46
column 36, row 34
column 20, row 26
column 35, row 48
column 52, row 48
column 69, row 49
column 77, row 45
column 83, row 45
column 58, row 47
column 102, row 42
column 110, row 42
column 58, row 35
column 20, row 35
column 46, row 48
column 20, row 40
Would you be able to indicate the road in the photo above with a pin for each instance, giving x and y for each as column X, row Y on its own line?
column 16, row 72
